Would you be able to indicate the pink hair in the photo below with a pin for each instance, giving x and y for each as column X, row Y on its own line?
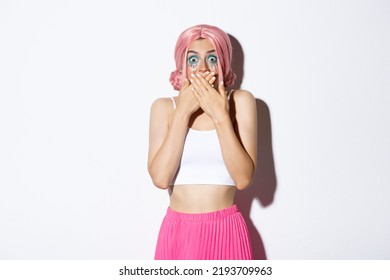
column 221, row 43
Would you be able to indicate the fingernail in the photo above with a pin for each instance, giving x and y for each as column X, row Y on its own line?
column 192, row 75
column 198, row 75
column 212, row 73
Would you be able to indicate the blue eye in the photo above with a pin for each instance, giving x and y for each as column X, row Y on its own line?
column 193, row 60
column 212, row 59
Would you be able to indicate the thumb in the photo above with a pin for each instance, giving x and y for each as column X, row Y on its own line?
column 186, row 83
column 221, row 88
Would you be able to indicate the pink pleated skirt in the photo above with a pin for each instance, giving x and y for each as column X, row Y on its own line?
column 219, row 235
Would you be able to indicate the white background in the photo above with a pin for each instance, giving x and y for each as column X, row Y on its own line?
column 77, row 79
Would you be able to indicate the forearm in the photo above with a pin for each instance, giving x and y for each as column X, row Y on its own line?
column 164, row 164
column 240, row 165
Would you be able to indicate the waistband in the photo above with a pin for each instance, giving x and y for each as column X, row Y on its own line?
column 219, row 214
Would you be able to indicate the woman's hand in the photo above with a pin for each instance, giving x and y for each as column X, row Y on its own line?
column 214, row 103
column 188, row 102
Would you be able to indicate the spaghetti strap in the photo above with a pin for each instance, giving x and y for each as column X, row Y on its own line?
column 174, row 103
column 230, row 94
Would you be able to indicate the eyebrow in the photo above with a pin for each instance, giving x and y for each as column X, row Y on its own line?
column 191, row 51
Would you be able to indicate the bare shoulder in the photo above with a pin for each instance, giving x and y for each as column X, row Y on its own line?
column 164, row 104
column 161, row 110
column 243, row 112
column 242, row 99
column 242, row 95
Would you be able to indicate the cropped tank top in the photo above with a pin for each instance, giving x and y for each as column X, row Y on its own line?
column 201, row 161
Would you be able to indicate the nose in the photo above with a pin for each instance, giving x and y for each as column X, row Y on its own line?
column 203, row 66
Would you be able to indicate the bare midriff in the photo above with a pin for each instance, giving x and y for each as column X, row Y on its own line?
column 201, row 198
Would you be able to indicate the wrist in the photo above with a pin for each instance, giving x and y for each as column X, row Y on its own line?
column 181, row 116
column 222, row 119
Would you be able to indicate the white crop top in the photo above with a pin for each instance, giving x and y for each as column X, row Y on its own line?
column 201, row 161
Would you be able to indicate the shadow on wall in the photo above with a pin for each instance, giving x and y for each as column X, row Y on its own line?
column 264, row 183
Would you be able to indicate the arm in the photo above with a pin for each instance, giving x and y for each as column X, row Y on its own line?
column 167, row 133
column 238, row 145
column 166, row 141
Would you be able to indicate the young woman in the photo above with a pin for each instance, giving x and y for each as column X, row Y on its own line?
column 202, row 148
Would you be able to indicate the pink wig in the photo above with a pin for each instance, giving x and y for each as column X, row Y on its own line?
column 223, row 49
